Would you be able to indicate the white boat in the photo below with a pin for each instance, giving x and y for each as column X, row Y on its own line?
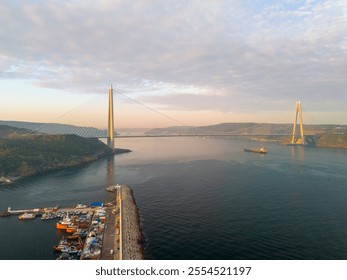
column 64, row 223
column 70, row 250
column 26, row 216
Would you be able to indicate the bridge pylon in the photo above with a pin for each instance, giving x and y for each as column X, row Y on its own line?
column 110, row 128
column 300, row 139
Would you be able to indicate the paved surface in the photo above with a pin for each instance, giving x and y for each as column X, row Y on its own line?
column 110, row 245
column 122, row 234
column 108, row 240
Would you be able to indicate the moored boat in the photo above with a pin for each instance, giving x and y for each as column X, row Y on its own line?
column 79, row 233
column 63, row 243
column 70, row 250
column 26, row 216
column 64, row 256
column 64, row 223
column 71, row 228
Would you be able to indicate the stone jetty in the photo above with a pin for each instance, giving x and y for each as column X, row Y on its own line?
column 123, row 239
column 132, row 238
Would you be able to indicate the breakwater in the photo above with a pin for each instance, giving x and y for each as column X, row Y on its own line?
column 123, row 238
column 131, row 234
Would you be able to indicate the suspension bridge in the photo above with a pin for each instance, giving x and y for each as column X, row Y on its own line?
column 294, row 132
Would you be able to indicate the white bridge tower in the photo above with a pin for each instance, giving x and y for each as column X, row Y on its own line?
column 298, row 139
column 110, row 130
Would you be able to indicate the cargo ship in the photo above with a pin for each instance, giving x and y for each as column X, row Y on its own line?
column 260, row 150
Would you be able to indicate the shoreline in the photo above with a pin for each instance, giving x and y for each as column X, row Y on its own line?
column 9, row 180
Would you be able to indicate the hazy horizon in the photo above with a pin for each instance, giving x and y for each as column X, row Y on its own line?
column 144, row 129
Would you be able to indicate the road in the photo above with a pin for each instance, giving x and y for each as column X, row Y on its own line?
column 111, row 239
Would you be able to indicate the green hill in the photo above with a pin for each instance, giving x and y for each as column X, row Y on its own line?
column 23, row 154
column 6, row 131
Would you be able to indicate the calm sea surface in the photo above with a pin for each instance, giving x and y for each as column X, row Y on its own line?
column 200, row 198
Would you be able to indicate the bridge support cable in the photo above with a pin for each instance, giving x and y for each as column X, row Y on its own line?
column 110, row 128
column 45, row 125
column 203, row 131
column 149, row 108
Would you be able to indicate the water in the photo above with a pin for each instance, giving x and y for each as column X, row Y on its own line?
column 201, row 198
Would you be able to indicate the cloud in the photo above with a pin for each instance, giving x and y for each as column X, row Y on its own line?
column 236, row 54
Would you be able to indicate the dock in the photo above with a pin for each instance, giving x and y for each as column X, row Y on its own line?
column 40, row 211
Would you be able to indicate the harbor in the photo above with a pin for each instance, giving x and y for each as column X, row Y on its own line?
column 106, row 231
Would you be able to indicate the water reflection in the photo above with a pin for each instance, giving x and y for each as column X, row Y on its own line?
column 110, row 171
column 297, row 153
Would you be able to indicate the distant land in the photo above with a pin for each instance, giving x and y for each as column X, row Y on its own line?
column 57, row 128
column 327, row 135
column 24, row 154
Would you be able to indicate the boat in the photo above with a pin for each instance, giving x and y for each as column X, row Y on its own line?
column 79, row 233
column 69, row 250
column 260, row 150
column 71, row 228
column 63, row 243
column 64, row 223
column 60, row 247
column 26, row 216
column 64, row 256
column 5, row 181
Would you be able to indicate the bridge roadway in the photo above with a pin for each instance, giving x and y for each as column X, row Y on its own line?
column 197, row 135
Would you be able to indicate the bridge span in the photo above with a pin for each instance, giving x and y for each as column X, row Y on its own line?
column 197, row 135
column 253, row 130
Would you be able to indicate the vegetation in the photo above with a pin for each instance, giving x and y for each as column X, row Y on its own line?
column 332, row 136
column 331, row 140
column 29, row 154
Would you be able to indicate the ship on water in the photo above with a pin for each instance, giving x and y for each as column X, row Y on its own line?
column 260, row 150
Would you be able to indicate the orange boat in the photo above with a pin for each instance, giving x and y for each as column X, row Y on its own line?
column 71, row 228
column 73, row 236
column 61, row 225
column 64, row 223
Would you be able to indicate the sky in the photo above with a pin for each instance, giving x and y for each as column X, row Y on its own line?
column 196, row 62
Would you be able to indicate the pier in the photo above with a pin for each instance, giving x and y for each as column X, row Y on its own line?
column 122, row 236
column 45, row 210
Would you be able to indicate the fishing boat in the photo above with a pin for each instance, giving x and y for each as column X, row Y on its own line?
column 79, row 233
column 63, row 243
column 70, row 250
column 26, row 216
column 71, row 228
column 64, row 223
